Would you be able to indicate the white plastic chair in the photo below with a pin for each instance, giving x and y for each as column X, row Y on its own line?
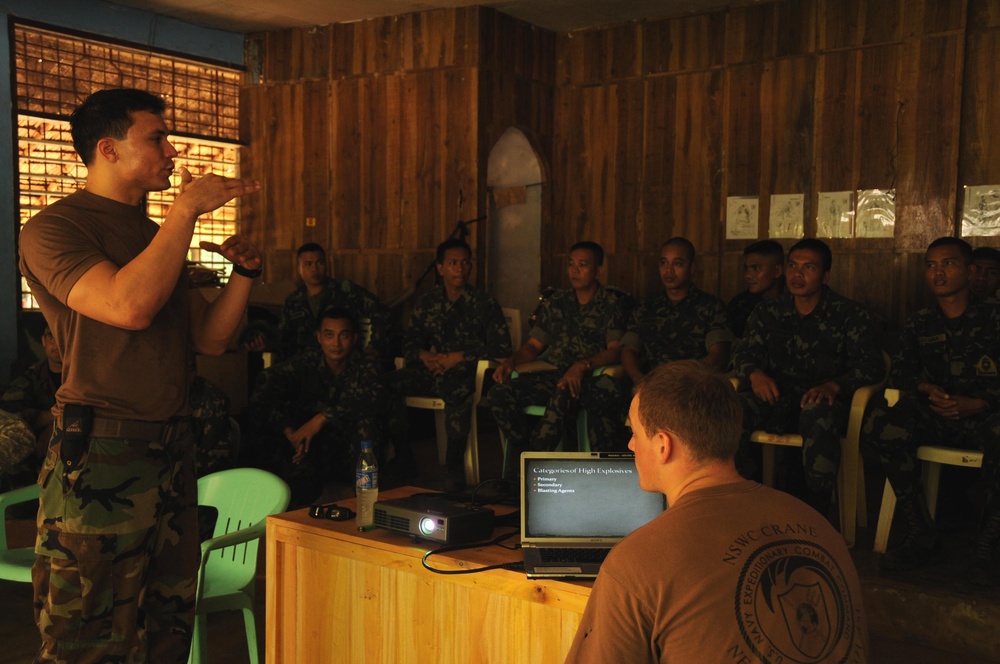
column 513, row 318
column 933, row 457
column 851, row 476
column 244, row 498
column 441, row 434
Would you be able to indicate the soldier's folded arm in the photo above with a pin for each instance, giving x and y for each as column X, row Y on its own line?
column 528, row 351
column 610, row 355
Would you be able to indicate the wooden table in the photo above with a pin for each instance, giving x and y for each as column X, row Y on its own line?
column 337, row 595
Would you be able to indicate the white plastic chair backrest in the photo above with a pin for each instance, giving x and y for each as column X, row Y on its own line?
column 513, row 317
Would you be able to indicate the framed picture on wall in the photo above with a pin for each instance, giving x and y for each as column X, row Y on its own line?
column 787, row 216
column 741, row 218
column 981, row 211
column 876, row 213
column 835, row 214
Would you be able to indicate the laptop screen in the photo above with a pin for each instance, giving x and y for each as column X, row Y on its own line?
column 582, row 498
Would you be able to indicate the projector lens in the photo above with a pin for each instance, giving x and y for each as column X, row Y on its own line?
column 427, row 525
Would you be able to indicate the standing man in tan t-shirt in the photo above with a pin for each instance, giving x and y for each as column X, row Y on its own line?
column 118, row 536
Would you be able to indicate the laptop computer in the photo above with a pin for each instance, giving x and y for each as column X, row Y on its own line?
column 575, row 506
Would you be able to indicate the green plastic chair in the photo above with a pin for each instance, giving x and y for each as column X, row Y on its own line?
column 15, row 564
column 244, row 497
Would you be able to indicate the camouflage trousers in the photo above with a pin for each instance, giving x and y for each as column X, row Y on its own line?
column 118, row 552
column 895, row 433
column 457, row 388
column 821, row 426
column 508, row 401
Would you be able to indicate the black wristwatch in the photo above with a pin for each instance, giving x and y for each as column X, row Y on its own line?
column 249, row 274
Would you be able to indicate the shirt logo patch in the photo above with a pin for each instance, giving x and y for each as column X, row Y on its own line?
column 794, row 605
column 986, row 367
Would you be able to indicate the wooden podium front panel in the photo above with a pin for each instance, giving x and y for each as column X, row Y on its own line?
column 336, row 595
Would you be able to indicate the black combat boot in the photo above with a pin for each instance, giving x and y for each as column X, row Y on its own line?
column 983, row 568
column 920, row 546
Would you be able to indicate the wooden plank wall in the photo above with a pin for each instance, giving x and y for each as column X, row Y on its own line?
column 658, row 122
column 371, row 138
column 380, row 131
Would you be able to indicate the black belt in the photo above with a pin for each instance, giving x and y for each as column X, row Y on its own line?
column 166, row 431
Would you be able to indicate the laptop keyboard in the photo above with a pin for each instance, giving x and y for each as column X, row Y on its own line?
column 573, row 555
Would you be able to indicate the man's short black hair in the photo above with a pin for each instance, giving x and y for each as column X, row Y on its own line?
column 948, row 241
column 682, row 242
column 769, row 248
column 452, row 243
column 986, row 254
column 820, row 247
column 338, row 313
column 108, row 114
column 310, row 247
column 594, row 248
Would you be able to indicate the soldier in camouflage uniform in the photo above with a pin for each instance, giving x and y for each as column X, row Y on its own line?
column 319, row 292
column 33, row 394
column 985, row 277
column 453, row 327
column 949, row 393
column 213, row 436
column 680, row 323
column 763, row 272
column 17, row 444
column 803, row 356
column 312, row 412
column 117, row 523
column 578, row 329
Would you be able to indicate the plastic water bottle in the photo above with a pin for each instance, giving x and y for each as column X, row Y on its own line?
column 366, row 486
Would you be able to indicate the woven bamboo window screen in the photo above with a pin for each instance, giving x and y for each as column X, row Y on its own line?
column 55, row 72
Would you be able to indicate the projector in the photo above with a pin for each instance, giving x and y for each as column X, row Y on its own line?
column 435, row 519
